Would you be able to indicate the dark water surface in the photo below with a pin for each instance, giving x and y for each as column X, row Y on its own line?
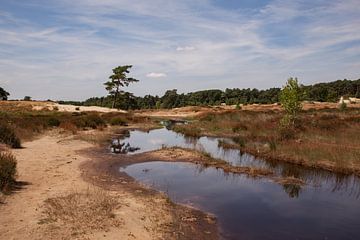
column 328, row 207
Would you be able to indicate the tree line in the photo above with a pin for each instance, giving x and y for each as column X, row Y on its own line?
column 322, row 92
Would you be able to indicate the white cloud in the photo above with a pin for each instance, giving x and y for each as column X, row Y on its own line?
column 185, row 48
column 156, row 75
column 211, row 48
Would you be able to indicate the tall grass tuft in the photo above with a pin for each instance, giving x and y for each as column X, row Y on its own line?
column 7, row 170
column 89, row 121
column 118, row 121
column 8, row 136
column 83, row 211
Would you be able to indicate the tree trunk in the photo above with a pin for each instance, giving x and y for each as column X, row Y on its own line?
column 115, row 97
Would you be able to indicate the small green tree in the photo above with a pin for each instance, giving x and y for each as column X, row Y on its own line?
column 290, row 99
column 27, row 98
column 342, row 106
column 118, row 79
column 3, row 94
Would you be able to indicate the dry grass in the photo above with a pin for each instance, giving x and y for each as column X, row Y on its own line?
column 7, row 170
column 326, row 138
column 27, row 123
column 82, row 212
column 8, row 136
column 206, row 160
column 2, row 198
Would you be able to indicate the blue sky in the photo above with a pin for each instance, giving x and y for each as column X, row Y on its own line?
column 65, row 49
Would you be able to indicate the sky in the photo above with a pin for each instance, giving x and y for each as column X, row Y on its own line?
column 66, row 49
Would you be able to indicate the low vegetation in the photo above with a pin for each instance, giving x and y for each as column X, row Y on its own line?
column 18, row 123
column 81, row 212
column 326, row 138
column 7, row 170
column 8, row 136
column 206, row 160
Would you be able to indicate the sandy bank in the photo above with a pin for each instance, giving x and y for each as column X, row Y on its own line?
column 53, row 169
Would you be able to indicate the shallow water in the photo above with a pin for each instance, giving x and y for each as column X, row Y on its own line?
column 247, row 208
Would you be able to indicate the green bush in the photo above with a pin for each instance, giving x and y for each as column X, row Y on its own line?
column 7, row 170
column 187, row 131
column 290, row 99
column 53, row 122
column 342, row 106
column 239, row 141
column 8, row 136
column 89, row 121
column 118, row 121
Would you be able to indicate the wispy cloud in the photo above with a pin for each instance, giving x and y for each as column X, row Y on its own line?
column 185, row 49
column 156, row 75
column 53, row 50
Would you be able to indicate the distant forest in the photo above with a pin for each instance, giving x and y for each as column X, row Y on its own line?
column 322, row 92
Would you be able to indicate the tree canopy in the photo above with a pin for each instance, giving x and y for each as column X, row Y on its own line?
column 3, row 94
column 118, row 79
column 290, row 99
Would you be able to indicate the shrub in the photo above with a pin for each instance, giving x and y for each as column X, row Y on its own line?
column 272, row 144
column 286, row 133
column 342, row 106
column 53, row 122
column 239, row 127
column 7, row 170
column 290, row 98
column 118, row 121
column 187, row 131
column 68, row 126
column 89, row 121
column 77, row 108
column 8, row 136
column 239, row 141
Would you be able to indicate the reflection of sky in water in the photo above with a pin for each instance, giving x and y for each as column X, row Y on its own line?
column 155, row 139
column 250, row 208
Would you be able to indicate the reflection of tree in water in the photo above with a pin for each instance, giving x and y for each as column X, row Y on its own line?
column 122, row 133
column 351, row 184
column 347, row 184
column 293, row 190
column 191, row 140
column 121, row 147
column 169, row 124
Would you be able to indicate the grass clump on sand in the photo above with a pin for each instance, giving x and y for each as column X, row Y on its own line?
column 118, row 121
column 83, row 211
column 8, row 136
column 89, row 121
column 7, row 170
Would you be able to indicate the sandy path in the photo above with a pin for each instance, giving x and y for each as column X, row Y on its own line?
column 50, row 166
